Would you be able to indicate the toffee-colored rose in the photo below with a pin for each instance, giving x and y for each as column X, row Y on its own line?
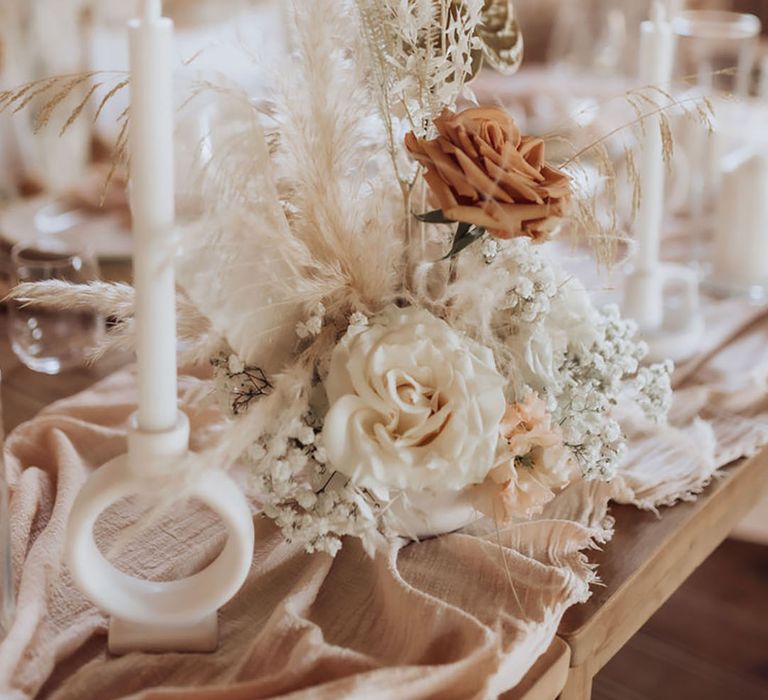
column 481, row 171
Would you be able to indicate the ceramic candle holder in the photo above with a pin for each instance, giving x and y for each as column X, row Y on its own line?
column 146, row 615
column 664, row 300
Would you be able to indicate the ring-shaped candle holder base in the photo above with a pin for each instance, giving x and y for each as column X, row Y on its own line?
column 200, row 637
column 159, row 616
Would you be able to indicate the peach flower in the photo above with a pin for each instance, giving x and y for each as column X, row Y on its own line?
column 481, row 171
column 534, row 464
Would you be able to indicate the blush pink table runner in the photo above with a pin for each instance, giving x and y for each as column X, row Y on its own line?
column 461, row 616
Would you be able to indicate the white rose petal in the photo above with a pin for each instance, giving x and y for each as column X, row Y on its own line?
column 413, row 405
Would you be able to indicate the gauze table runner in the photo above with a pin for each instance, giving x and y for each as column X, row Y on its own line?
column 460, row 616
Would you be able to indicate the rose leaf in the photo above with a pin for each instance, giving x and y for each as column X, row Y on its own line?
column 466, row 235
column 434, row 217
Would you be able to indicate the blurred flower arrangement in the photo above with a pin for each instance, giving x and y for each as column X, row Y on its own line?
column 389, row 341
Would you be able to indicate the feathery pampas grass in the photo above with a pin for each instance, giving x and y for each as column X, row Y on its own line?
column 305, row 220
column 299, row 199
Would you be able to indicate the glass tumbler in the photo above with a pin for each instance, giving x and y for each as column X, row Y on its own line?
column 716, row 53
column 607, row 38
column 716, row 50
column 50, row 340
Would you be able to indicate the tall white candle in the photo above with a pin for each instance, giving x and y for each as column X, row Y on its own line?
column 152, row 204
column 656, row 59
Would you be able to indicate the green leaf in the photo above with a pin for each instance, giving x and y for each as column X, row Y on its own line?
column 466, row 235
column 434, row 217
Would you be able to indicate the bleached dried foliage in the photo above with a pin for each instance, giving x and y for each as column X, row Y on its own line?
column 305, row 227
column 329, row 164
column 300, row 206
column 420, row 59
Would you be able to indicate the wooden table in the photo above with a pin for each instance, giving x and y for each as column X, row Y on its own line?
column 547, row 677
column 647, row 560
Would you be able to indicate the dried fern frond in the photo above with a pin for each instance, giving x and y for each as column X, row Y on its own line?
column 419, row 59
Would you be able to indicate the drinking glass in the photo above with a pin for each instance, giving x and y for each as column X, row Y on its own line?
column 598, row 36
column 716, row 52
column 50, row 340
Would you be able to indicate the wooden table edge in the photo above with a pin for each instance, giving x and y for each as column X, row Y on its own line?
column 546, row 679
column 673, row 561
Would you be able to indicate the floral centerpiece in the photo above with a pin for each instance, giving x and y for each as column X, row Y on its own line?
column 393, row 349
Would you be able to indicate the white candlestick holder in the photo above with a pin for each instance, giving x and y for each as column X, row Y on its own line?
column 671, row 324
column 154, row 616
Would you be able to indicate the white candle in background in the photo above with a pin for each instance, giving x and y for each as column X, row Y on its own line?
column 152, row 204
column 740, row 253
column 674, row 8
column 656, row 59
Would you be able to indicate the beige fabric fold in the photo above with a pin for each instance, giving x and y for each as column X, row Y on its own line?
column 461, row 616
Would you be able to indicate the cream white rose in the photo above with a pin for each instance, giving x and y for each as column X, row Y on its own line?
column 413, row 405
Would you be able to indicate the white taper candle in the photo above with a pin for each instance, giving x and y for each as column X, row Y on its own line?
column 152, row 10
column 152, row 204
column 656, row 58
